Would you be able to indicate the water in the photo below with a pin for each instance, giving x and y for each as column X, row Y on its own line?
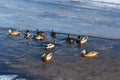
column 87, row 17
column 21, row 60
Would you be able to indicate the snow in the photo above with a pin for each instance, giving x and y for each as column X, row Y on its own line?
column 109, row 1
column 7, row 77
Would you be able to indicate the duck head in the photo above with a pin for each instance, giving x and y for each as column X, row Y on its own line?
column 43, row 54
column 43, row 57
column 83, row 51
column 53, row 41
column 9, row 30
column 27, row 30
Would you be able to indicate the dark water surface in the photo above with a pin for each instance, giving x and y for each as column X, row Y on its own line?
column 22, row 59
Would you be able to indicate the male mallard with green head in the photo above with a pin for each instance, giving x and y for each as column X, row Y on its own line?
column 46, row 56
column 50, row 45
column 82, row 40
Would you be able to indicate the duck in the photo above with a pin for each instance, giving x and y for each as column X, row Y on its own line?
column 84, row 40
column 27, row 34
column 41, row 33
column 69, row 39
column 50, row 45
column 38, row 37
column 81, row 41
column 46, row 56
column 89, row 54
column 78, row 41
column 10, row 32
column 53, row 34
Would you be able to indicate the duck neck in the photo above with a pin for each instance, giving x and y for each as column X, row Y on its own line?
column 68, row 36
column 78, row 36
column 52, row 31
column 37, row 31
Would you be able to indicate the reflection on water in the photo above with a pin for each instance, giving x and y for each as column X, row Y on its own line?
column 87, row 58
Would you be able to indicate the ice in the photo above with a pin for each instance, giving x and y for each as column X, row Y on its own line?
column 110, row 1
column 66, row 16
column 8, row 77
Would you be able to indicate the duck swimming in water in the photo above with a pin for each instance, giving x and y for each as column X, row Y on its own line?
column 78, row 41
column 46, row 56
column 50, row 45
column 38, row 37
column 10, row 32
column 84, row 40
column 53, row 34
column 69, row 39
column 27, row 34
column 41, row 33
column 81, row 41
column 89, row 54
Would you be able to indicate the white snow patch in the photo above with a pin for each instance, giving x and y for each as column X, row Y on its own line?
column 110, row 1
column 7, row 77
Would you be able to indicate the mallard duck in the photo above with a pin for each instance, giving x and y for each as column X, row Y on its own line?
column 47, row 56
column 84, row 40
column 38, row 37
column 50, row 45
column 10, row 32
column 27, row 34
column 41, row 33
column 81, row 41
column 53, row 34
column 70, row 40
column 89, row 54
column 78, row 41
